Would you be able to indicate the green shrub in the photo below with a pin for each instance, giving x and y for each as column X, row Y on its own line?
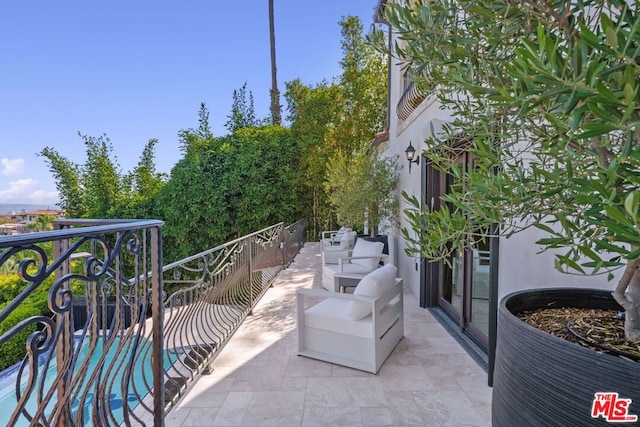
column 10, row 286
column 16, row 348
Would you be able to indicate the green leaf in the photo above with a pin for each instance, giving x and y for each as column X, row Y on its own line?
column 610, row 31
column 596, row 130
column 629, row 93
column 604, row 114
column 607, row 93
column 633, row 255
column 553, row 242
column 617, row 215
column 589, row 36
column 631, row 203
column 544, row 228
column 590, row 253
column 565, row 260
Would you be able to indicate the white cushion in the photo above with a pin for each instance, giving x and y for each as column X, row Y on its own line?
column 338, row 235
column 344, row 240
column 372, row 285
column 366, row 248
column 331, row 269
column 331, row 315
column 351, row 238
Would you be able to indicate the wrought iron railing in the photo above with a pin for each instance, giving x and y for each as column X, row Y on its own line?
column 212, row 293
column 123, row 335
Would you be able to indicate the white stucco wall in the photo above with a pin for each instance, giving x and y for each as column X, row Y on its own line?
column 522, row 267
column 415, row 130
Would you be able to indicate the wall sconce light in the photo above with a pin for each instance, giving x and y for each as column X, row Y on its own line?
column 410, row 152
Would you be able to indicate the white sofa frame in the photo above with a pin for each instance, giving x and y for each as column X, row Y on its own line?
column 386, row 325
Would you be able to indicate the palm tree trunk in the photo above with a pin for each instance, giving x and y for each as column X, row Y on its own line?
column 275, row 94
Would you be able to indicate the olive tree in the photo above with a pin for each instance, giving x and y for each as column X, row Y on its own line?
column 547, row 94
column 361, row 188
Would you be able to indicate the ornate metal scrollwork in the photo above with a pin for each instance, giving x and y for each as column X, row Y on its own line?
column 103, row 374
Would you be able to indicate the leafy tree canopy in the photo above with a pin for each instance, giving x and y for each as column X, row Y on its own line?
column 243, row 113
column 98, row 189
column 361, row 188
column 334, row 120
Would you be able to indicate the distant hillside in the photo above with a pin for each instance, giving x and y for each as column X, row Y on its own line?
column 8, row 208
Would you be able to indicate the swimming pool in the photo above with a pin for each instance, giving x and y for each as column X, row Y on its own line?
column 111, row 381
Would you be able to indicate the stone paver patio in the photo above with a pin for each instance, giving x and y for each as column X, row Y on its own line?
column 259, row 380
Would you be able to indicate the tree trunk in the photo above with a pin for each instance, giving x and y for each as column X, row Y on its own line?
column 275, row 93
column 627, row 294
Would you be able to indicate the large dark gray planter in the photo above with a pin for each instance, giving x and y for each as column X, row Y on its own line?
column 542, row 380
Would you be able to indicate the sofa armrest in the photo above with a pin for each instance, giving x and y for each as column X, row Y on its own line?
column 333, row 257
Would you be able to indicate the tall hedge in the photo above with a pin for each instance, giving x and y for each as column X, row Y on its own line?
column 229, row 186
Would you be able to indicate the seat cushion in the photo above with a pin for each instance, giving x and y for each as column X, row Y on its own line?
column 330, row 270
column 365, row 248
column 373, row 285
column 331, row 315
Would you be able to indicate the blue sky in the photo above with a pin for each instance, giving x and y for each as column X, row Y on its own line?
column 136, row 70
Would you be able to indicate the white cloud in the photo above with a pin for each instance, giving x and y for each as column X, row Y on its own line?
column 11, row 166
column 26, row 191
column 41, row 197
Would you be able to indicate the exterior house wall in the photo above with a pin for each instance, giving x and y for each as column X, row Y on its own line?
column 522, row 267
column 414, row 130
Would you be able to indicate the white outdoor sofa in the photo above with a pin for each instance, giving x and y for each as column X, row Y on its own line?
column 356, row 330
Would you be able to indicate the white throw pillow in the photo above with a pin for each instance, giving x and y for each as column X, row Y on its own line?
column 347, row 239
column 373, row 284
column 344, row 240
column 366, row 248
column 337, row 237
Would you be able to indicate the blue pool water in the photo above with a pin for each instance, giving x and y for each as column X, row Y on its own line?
column 141, row 370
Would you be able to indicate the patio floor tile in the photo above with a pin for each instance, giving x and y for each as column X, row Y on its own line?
column 258, row 379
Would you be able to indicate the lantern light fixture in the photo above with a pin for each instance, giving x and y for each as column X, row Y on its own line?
column 410, row 153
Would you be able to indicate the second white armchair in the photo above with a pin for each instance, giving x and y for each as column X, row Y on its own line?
column 365, row 257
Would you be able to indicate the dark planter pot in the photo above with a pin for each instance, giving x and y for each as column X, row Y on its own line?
column 542, row 380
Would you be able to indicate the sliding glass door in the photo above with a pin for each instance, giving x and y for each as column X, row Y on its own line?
column 463, row 282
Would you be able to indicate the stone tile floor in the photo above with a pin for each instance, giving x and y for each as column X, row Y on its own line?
column 258, row 380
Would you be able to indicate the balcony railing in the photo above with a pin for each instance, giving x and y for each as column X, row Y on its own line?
column 125, row 335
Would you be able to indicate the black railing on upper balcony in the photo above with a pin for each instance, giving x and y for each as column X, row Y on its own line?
column 124, row 335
